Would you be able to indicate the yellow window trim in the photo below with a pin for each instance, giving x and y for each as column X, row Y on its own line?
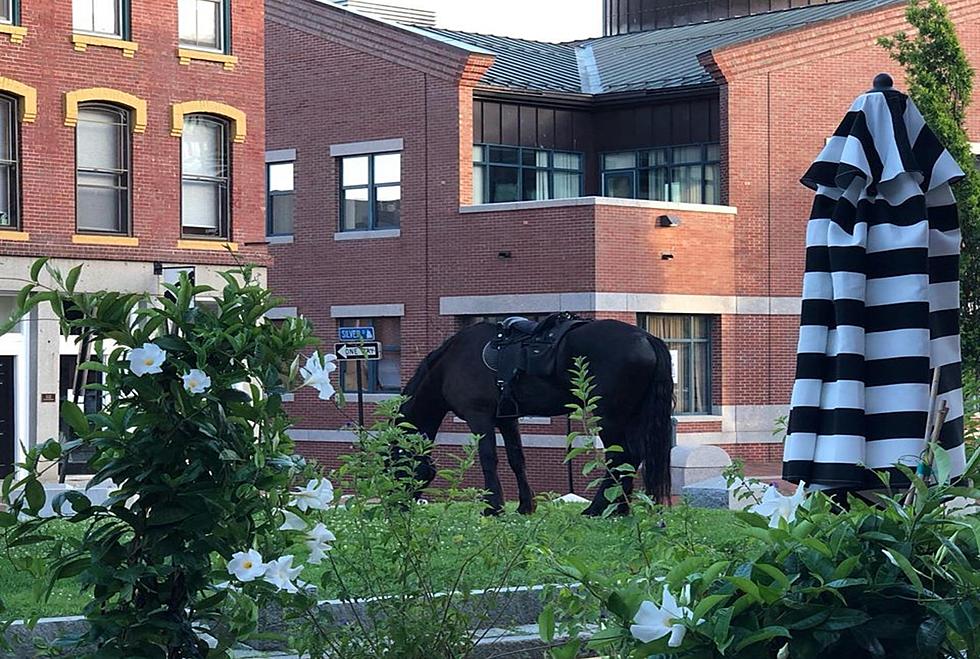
column 19, row 236
column 207, row 244
column 115, row 241
column 186, row 55
column 28, row 95
column 236, row 116
column 137, row 105
column 83, row 41
column 15, row 32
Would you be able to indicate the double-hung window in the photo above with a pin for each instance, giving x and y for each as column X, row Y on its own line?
column 371, row 192
column 205, row 177
column 505, row 173
column 687, row 174
column 106, row 18
column 9, row 156
column 282, row 199
column 204, row 24
column 7, row 11
column 689, row 340
column 102, row 173
column 378, row 377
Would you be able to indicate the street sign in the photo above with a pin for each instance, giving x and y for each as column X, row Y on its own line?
column 370, row 351
column 356, row 334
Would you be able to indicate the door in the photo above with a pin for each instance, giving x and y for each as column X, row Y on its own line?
column 8, row 435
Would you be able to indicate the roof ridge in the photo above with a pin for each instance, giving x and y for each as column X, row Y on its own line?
column 562, row 44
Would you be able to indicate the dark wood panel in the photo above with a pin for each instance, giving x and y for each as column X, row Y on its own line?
column 564, row 129
column 478, row 123
column 700, row 121
column 510, row 132
column 529, row 126
column 636, row 15
column 491, row 123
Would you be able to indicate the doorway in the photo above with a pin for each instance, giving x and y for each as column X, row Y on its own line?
column 8, row 433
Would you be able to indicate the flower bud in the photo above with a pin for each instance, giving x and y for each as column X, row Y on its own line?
column 783, row 652
column 685, row 598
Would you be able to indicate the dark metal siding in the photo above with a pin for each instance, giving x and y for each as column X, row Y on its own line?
column 624, row 16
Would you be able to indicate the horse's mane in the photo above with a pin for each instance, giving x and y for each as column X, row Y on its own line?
column 423, row 369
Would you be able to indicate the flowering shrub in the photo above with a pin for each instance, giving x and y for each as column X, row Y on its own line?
column 889, row 579
column 193, row 436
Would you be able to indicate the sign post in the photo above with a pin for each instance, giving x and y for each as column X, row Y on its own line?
column 358, row 345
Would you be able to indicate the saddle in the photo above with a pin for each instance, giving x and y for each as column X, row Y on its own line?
column 524, row 347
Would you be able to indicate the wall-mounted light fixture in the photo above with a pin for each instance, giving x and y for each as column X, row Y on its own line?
column 666, row 256
column 669, row 221
column 504, row 255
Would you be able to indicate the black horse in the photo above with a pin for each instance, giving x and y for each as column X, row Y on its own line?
column 633, row 380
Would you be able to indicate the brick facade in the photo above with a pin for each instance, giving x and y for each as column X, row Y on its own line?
column 741, row 264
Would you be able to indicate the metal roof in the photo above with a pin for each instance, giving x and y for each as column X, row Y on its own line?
column 654, row 60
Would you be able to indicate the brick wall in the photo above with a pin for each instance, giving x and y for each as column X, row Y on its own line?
column 47, row 61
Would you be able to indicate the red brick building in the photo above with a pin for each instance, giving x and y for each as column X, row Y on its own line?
column 424, row 179
column 131, row 139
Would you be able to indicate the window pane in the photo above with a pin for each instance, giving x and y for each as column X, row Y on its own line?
column 6, row 123
column 502, row 155
column 684, row 154
column 187, row 20
column 203, row 147
column 6, row 214
column 81, row 11
column 668, row 327
column 356, row 210
column 98, row 141
column 685, row 184
column 388, row 168
column 355, row 171
column 388, row 209
column 681, row 352
column 503, row 184
column 99, row 202
column 5, row 14
column 282, row 213
column 201, row 204
column 700, row 328
column 700, row 374
column 619, row 185
column 653, row 158
column 208, row 20
column 568, row 161
column 535, row 184
column 281, row 177
column 479, row 181
column 712, row 184
column 566, row 185
column 619, row 161
column 653, row 184
column 106, row 17
column 713, row 152
column 478, row 153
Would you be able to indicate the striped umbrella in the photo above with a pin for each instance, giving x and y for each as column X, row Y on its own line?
column 880, row 300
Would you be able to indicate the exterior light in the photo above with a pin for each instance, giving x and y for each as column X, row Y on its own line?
column 669, row 221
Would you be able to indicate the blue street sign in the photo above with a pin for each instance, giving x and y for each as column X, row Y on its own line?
column 356, row 333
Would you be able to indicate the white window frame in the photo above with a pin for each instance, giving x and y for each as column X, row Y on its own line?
column 120, row 15
column 222, row 28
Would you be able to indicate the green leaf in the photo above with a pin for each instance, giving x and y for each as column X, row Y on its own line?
column 942, row 464
column 74, row 417
column 845, row 619
column 7, row 520
column 747, row 586
column 905, row 566
column 37, row 266
column 708, row 603
column 929, row 636
column 777, row 575
column 546, row 624
column 34, row 492
column 763, row 634
column 72, row 278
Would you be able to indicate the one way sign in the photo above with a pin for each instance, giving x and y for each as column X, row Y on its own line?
column 370, row 351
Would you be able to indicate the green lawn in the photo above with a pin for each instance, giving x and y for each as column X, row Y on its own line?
column 603, row 544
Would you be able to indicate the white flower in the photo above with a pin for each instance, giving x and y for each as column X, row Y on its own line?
column 147, row 360
column 776, row 506
column 317, row 372
column 247, row 565
column 317, row 495
column 652, row 622
column 319, row 541
column 197, row 381
column 293, row 522
column 280, row 573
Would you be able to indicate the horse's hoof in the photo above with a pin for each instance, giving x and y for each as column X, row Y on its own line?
column 492, row 512
column 591, row 511
column 527, row 509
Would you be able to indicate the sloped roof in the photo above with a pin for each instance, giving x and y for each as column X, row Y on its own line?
column 642, row 61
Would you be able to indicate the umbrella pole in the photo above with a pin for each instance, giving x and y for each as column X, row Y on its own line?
column 934, row 426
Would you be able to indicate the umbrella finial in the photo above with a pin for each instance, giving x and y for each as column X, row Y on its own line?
column 883, row 82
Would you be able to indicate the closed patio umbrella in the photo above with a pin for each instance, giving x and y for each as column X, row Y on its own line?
column 880, row 300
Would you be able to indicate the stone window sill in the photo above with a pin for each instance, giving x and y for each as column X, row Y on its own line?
column 114, row 241
column 366, row 235
column 186, row 55
column 279, row 240
column 15, row 32
column 19, row 236
column 207, row 244
column 698, row 418
column 83, row 41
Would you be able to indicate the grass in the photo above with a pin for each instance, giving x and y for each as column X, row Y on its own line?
column 608, row 545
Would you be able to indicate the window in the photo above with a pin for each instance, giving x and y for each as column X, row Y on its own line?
column 504, row 173
column 689, row 340
column 282, row 199
column 371, row 192
column 204, row 24
column 7, row 11
column 467, row 321
column 104, row 17
column 102, row 153
column 9, row 175
column 378, row 377
column 205, row 177
column 688, row 174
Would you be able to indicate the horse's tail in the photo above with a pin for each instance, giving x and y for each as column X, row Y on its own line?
column 657, row 427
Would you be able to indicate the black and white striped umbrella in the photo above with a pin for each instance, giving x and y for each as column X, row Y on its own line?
column 880, row 300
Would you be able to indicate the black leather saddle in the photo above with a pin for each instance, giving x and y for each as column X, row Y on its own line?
column 523, row 346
